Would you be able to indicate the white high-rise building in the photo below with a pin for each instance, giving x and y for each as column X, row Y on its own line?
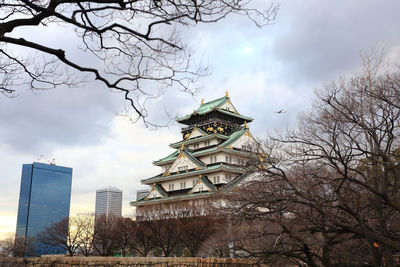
column 109, row 202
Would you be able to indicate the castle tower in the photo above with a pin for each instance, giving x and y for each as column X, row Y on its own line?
column 207, row 159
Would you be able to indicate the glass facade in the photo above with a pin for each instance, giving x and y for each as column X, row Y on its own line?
column 44, row 199
column 108, row 202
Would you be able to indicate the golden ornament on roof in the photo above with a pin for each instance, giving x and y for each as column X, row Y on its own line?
column 182, row 146
column 226, row 93
column 245, row 125
column 202, row 101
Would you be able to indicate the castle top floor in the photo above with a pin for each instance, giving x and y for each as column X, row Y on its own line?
column 214, row 116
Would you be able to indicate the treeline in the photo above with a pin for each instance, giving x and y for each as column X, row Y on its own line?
column 156, row 233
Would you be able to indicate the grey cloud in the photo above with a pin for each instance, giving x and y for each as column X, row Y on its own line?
column 60, row 117
column 322, row 40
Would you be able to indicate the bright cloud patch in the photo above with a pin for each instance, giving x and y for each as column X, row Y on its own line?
column 247, row 50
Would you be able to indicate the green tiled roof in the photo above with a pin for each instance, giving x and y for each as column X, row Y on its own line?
column 208, row 183
column 236, row 181
column 169, row 198
column 206, row 107
column 160, row 177
column 196, row 161
column 160, row 190
column 212, row 105
column 231, row 139
column 205, row 151
column 246, row 118
column 228, row 186
column 202, row 138
column 172, row 157
column 167, row 158
column 234, row 136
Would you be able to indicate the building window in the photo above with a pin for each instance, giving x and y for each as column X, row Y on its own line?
column 228, row 177
column 171, row 187
column 183, row 185
column 200, row 189
column 213, row 159
column 195, row 146
column 228, row 159
column 207, row 143
column 182, row 168
column 246, row 147
column 216, row 179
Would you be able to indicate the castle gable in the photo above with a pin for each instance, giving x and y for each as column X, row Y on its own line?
column 228, row 106
column 185, row 162
column 202, row 185
column 156, row 192
column 196, row 133
column 245, row 142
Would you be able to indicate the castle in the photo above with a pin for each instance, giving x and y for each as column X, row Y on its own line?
column 207, row 160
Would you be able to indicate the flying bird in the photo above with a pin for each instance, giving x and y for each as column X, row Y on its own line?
column 280, row 111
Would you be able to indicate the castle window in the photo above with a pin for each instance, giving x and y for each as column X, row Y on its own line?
column 246, row 147
column 228, row 177
column 195, row 146
column 207, row 143
column 183, row 185
column 182, row 168
column 171, row 187
column 213, row 159
column 216, row 179
column 228, row 159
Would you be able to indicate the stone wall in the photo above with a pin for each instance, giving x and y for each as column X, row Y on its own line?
column 123, row 262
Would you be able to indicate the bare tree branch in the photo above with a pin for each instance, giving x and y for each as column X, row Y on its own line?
column 132, row 46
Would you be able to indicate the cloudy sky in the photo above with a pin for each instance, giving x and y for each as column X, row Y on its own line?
column 311, row 43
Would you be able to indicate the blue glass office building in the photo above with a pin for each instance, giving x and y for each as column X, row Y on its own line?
column 43, row 200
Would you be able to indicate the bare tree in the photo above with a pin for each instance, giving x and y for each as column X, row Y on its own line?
column 331, row 187
column 164, row 228
column 143, row 242
column 195, row 229
column 217, row 244
column 86, row 225
column 105, row 237
column 64, row 234
column 7, row 244
column 125, row 229
column 126, row 44
column 17, row 246
column 276, row 226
